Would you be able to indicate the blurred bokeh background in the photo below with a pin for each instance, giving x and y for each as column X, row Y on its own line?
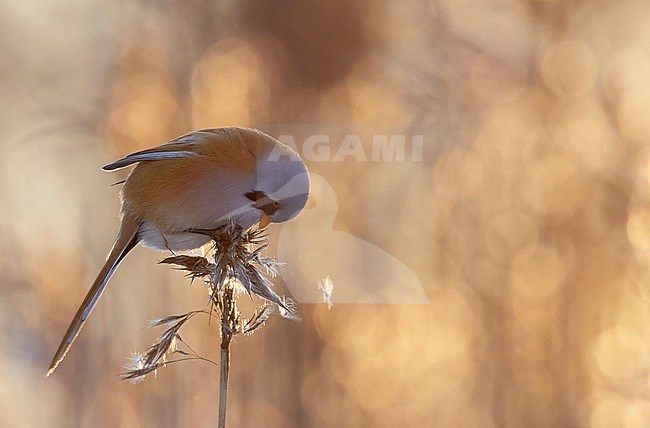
column 527, row 222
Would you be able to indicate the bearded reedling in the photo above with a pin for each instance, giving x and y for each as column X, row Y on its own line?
column 199, row 181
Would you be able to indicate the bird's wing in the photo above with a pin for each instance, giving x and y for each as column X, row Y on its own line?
column 127, row 238
column 180, row 147
column 171, row 150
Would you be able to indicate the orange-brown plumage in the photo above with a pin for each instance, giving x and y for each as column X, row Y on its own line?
column 200, row 180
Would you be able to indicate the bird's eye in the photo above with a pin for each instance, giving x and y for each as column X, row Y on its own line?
column 276, row 204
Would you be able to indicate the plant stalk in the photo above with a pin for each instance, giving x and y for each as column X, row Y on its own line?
column 229, row 317
column 223, row 382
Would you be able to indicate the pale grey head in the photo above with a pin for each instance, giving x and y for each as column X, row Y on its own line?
column 281, row 183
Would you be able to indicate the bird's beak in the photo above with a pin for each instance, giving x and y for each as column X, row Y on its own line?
column 311, row 203
column 265, row 220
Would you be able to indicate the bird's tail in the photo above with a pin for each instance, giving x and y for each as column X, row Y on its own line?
column 127, row 238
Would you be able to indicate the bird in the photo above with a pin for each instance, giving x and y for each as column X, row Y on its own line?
column 198, row 181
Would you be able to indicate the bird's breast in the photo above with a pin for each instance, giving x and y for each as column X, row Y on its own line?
column 172, row 196
column 152, row 237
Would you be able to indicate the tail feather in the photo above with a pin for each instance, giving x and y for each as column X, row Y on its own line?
column 127, row 238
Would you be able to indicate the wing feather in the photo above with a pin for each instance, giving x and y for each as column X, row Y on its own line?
column 172, row 150
column 183, row 146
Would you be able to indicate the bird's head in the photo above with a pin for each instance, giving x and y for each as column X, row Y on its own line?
column 281, row 184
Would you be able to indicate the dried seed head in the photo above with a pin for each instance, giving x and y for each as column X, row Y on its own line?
column 326, row 286
column 237, row 263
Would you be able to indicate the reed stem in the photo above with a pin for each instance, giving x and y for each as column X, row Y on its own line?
column 229, row 317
